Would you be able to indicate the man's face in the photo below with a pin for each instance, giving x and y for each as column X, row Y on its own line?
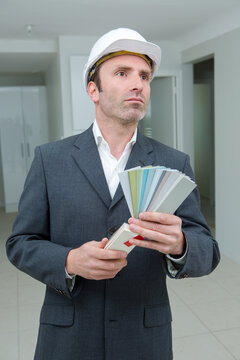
column 125, row 89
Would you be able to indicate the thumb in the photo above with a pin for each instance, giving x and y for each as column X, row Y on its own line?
column 103, row 243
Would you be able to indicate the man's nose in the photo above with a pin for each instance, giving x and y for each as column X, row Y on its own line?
column 137, row 84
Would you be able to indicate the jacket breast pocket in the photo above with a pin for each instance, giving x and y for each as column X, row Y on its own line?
column 58, row 315
column 157, row 315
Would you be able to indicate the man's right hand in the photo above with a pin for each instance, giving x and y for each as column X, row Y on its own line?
column 92, row 261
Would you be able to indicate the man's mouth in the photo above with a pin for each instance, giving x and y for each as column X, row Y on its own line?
column 135, row 99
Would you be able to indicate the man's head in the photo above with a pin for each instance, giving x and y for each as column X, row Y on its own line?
column 117, row 42
column 118, row 74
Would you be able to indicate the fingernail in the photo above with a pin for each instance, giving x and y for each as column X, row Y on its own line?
column 142, row 215
column 132, row 227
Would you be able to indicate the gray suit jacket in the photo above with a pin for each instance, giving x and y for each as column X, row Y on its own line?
column 65, row 203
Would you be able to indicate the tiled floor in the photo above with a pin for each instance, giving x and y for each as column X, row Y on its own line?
column 206, row 311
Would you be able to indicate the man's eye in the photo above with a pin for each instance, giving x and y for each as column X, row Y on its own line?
column 121, row 73
column 144, row 77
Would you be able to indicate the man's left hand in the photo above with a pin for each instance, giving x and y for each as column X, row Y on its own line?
column 163, row 231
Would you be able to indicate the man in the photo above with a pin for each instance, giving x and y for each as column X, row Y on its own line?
column 101, row 304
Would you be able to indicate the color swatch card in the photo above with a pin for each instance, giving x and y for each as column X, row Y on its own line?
column 155, row 189
column 120, row 239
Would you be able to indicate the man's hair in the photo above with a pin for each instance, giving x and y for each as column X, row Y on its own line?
column 96, row 79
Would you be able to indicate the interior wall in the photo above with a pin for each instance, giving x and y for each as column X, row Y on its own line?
column 226, row 52
column 70, row 45
column 54, row 103
column 16, row 80
column 22, row 79
column 31, row 49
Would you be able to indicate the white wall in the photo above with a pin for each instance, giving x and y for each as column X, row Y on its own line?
column 70, row 45
column 54, row 101
column 226, row 52
column 16, row 80
column 24, row 56
column 21, row 80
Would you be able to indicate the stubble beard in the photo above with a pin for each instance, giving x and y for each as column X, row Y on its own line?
column 124, row 113
column 130, row 114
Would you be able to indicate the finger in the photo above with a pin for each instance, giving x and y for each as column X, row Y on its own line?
column 103, row 243
column 148, row 244
column 99, row 252
column 161, row 218
column 150, row 234
column 154, row 226
column 108, row 265
column 106, row 254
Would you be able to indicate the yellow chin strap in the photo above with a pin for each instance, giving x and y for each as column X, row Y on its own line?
column 117, row 53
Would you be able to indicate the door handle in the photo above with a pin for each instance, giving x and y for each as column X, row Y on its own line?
column 28, row 149
column 22, row 150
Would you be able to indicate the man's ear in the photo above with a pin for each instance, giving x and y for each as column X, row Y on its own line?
column 93, row 91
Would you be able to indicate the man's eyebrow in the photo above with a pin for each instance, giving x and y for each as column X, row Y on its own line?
column 129, row 68
column 123, row 67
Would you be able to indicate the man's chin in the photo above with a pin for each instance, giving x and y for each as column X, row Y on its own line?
column 130, row 121
column 135, row 115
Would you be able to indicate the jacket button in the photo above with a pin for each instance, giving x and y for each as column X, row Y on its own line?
column 112, row 230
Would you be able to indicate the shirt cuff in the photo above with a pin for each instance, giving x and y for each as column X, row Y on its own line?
column 174, row 264
column 70, row 279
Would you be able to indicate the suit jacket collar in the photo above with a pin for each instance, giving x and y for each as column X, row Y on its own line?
column 86, row 155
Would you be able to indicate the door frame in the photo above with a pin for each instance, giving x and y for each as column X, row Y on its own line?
column 177, row 75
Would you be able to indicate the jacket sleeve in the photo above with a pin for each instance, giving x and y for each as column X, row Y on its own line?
column 29, row 247
column 203, row 253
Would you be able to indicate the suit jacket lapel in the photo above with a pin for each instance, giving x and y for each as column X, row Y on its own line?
column 141, row 155
column 86, row 155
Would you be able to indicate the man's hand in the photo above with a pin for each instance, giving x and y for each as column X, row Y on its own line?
column 164, row 232
column 92, row 261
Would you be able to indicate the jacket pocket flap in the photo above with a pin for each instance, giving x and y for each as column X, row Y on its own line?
column 157, row 315
column 57, row 315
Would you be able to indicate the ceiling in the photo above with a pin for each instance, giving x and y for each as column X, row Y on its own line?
column 170, row 20
column 156, row 19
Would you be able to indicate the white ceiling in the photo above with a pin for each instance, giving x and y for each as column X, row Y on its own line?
column 157, row 19
column 170, row 20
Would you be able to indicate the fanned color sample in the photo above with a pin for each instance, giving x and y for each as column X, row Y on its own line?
column 155, row 189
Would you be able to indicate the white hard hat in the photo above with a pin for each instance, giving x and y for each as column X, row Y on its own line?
column 122, row 39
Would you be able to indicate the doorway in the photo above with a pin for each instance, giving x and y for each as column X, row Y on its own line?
column 204, row 157
column 160, row 122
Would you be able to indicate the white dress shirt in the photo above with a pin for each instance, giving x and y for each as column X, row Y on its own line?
column 112, row 166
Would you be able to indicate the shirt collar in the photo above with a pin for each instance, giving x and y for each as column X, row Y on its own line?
column 99, row 139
